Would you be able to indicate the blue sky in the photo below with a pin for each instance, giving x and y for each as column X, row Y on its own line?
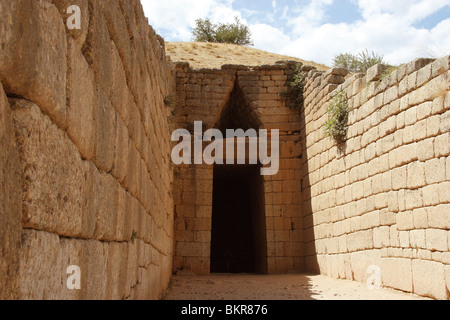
column 318, row 30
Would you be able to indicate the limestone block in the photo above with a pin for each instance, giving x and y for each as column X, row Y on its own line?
column 445, row 122
column 444, row 195
column 89, row 203
column 52, row 170
column 436, row 239
column 106, row 213
column 93, row 270
column 405, row 221
column 411, row 116
column 417, row 64
column 70, row 252
column 431, row 90
column 425, row 149
column 381, row 237
column 97, row 48
column 361, row 240
column 420, row 217
column 132, row 268
column 106, row 126
column 114, row 271
column 431, row 195
column 81, row 98
column 447, row 166
column 438, row 105
column 38, row 73
column 360, row 261
column 429, row 279
column 433, row 125
column 374, row 73
column 10, row 203
column 424, row 75
column 79, row 35
column 417, row 239
column 413, row 199
column 440, row 66
column 416, row 175
column 121, row 151
column 40, row 266
column 435, row 170
column 120, row 95
column 392, row 268
column 399, row 178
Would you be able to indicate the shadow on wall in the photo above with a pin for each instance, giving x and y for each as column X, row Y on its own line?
column 311, row 263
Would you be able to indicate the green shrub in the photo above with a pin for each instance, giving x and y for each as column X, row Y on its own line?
column 337, row 125
column 233, row 33
column 357, row 63
column 294, row 94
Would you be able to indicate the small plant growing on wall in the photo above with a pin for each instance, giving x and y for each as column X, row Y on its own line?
column 337, row 124
column 294, row 94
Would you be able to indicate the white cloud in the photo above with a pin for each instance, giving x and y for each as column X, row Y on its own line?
column 386, row 27
column 268, row 37
column 177, row 17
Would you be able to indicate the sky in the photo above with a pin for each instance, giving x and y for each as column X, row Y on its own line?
column 318, row 30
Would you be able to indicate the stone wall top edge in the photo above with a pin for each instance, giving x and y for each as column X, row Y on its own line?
column 373, row 74
column 279, row 65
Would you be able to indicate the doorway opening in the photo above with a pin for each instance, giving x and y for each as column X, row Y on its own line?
column 238, row 239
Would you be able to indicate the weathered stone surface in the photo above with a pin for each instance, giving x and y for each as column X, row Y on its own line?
column 82, row 102
column 79, row 35
column 106, row 124
column 40, row 266
column 52, row 170
column 392, row 268
column 98, row 47
column 10, row 203
column 33, row 53
column 429, row 279
column 374, row 73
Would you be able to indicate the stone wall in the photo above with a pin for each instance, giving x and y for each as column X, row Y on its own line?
column 85, row 164
column 383, row 198
column 204, row 95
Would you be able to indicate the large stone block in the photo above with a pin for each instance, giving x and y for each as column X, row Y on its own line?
column 79, row 35
column 106, row 123
column 435, row 170
column 33, row 52
column 436, row 239
column 53, row 172
column 429, row 279
column 392, row 268
column 70, row 254
column 40, row 266
column 98, row 47
column 10, row 203
column 106, row 214
column 93, row 266
column 82, row 102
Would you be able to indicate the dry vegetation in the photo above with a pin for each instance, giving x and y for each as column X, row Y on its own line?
column 214, row 55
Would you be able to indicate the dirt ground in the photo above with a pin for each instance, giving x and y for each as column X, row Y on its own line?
column 279, row 287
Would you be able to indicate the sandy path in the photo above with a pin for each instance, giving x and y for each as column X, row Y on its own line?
column 279, row 287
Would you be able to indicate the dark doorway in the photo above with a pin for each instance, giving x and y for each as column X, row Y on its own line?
column 238, row 230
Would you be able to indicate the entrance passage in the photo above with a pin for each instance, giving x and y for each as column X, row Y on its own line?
column 238, row 230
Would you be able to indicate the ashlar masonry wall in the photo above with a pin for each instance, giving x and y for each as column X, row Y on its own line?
column 383, row 198
column 85, row 148
column 203, row 95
